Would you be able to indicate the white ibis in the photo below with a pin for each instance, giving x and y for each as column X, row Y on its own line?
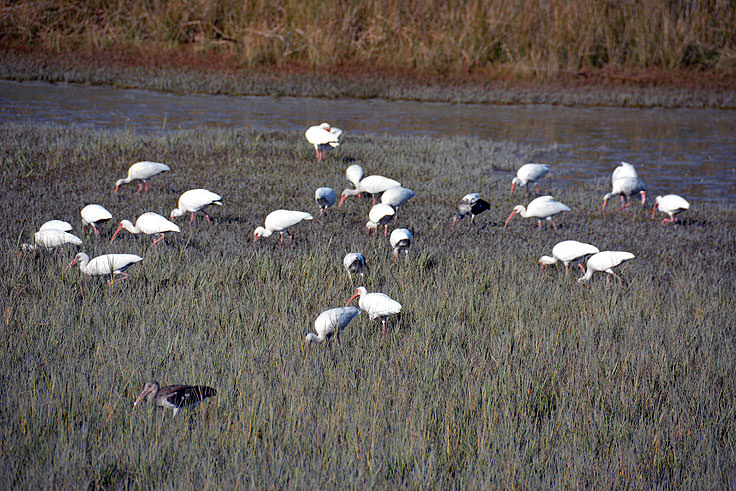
column 324, row 137
column 331, row 323
column 92, row 215
column 568, row 251
column 107, row 264
column 542, row 208
column 56, row 225
column 354, row 263
column 371, row 184
column 379, row 215
column 625, row 183
column 471, row 204
column 396, row 196
column 196, row 200
column 142, row 172
column 671, row 204
column 280, row 221
column 529, row 173
column 174, row 397
column 50, row 239
column 376, row 305
column 605, row 261
column 354, row 174
column 401, row 241
column 150, row 224
column 325, row 197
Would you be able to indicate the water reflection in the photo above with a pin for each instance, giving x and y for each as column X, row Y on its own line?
column 686, row 151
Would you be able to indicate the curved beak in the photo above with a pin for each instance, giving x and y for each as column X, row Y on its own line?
column 116, row 188
column 654, row 208
column 509, row 218
column 140, row 397
column 351, row 298
column 120, row 227
column 513, row 186
column 342, row 200
column 605, row 201
column 643, row 198
column 71, row 264
column 454, row 221
column 255, row 238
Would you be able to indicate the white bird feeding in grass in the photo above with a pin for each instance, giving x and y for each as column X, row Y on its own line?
column 50, row 239
column 626, row 183
column 372, row 184
column 542, row 208
column 377, row 305
column 471, row 204
column 396, row 196
column 568, row 251
column 331, row 323
column 142, row 172
column 92, row 215
column 107, row 264
column 56, row 225
column 196, row 200
column 324, row 137
column 529, row 173
column 354, row 263
column 354, row 174
column 671, row 204
column 605, row 261
column 325, row 197
column 150, row 224
column 280, row 221
column 174, row 397
column 379, row 215
column 401, row 241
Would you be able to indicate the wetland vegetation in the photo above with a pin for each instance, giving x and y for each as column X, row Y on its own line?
column 495, row 375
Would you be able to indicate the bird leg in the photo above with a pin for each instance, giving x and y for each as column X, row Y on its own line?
column 191, row 217
column 291, row 241
column 539, row 223
column 374, row 199
column 140, row 187
column 146, row 184
column 281, row 236
column 385, row 230
column 554, row 225
column 582, row 268
column 538, row 191
column 406, row 252
column 97, row 232
column 322, row 211
column 565, row 270
column 383, row 323
column 158, row 240
column 207, row 217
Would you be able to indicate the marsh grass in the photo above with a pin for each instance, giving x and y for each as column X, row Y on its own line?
column 494, row 375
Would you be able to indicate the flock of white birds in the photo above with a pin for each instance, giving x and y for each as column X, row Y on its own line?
column 625, row 183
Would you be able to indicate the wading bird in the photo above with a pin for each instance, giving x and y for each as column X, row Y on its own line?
column 107, row 264
column 142, row 171
column 50, row 239
column 529, row 173
column 331, row 323
column 377, row 305
column 56, row 225
column 379, row 215
column 195, row 200
column 401, row 241
column 174, row 397
column 395, row 197
column 280, row 221
column 92, row 215
column 568, row 251
column 150, row 224
column 671, row 204
column 542, row 208
column 372, row 184
column 605, row 261
column 625, row 183
column 354, row 174
column 325, row 197
column 472, row 205
column 354, row 263
column 324, row 137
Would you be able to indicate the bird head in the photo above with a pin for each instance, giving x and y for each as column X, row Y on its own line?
column 360, row 291
column 514, row 182
column 149, row 388
column 517, row 209
column 119, row 183
column 176, row 212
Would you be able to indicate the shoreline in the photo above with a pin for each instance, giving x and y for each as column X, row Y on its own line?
column 183, row 72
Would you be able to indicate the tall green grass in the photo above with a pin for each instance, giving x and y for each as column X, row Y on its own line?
column 529, row 36
column 493, row 376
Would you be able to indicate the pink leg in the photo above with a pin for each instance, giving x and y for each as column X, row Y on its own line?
column 281, row 236
column 207, row 217
column 291, row 241
column 158, row 240
column 539, row 223
column 140, row 187
column 144, row 182
column 385, row 230
column 383, row 323
column 97, row 232
column 582, row 268
column 191, row 217
column 406, row 252
column 554, row 225
column 374, row 199
column 565, row 270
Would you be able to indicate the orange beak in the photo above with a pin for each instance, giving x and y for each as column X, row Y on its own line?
column 351, row 298
column 120, row 227
column 454, row 221
column 643, row 198
column 513, row 186
column 140, row 397
column 116, row 188
column 342, row 200
column 605, row 201
column 71, row 264
column 654, row 209
column 509, row 218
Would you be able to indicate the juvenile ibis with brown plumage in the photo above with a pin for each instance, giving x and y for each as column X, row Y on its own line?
column 174, row 397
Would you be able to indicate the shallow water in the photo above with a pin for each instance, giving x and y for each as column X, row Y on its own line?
column 685, row 151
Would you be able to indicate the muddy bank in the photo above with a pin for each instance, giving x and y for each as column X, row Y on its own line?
column 188, row 72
